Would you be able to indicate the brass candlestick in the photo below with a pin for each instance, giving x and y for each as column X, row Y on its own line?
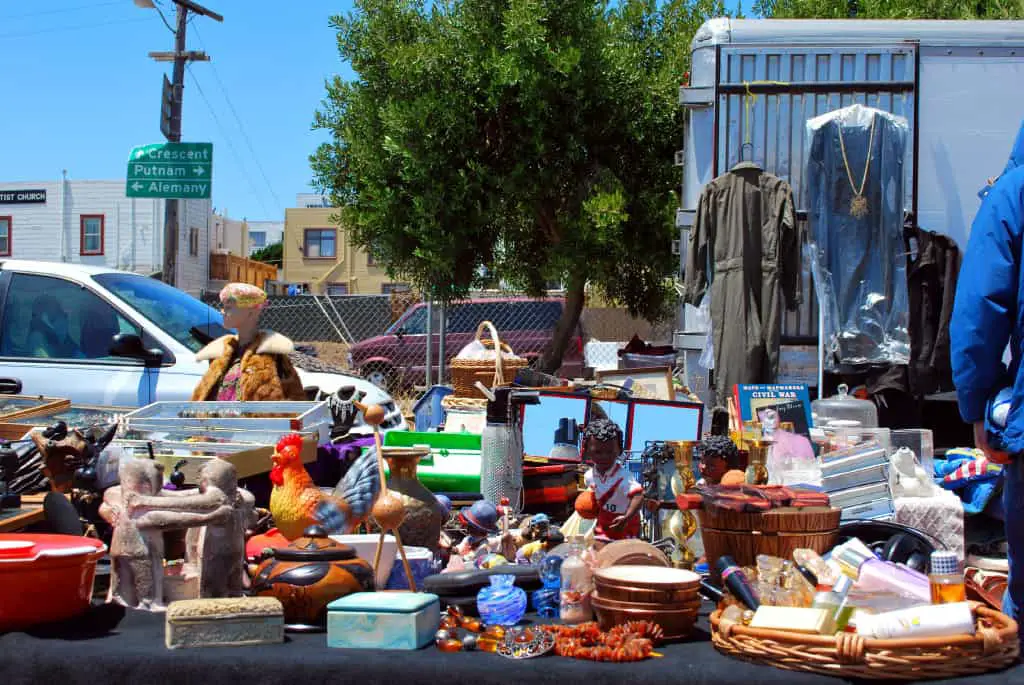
column 683, row 524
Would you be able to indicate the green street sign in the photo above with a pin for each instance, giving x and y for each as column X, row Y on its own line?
column 171, row 170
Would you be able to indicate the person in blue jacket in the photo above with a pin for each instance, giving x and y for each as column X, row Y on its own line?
column 989, row 313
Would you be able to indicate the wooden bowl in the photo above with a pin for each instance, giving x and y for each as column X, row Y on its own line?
column 647, row 584
column 690, row 604
column 677, row 624
column 631, row 553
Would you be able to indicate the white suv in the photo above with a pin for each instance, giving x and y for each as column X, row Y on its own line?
column 159, row 329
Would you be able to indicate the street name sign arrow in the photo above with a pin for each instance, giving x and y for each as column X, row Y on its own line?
column 170, row 170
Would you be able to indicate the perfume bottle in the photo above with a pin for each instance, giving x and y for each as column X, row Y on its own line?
column 834, row 601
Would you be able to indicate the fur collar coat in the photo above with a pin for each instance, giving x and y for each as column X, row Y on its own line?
column 267, row 373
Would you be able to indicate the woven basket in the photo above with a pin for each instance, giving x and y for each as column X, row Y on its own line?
column 776, row 532
column 491, row 372
column 847, row 655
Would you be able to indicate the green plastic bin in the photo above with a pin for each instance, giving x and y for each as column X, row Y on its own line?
column 453, row 464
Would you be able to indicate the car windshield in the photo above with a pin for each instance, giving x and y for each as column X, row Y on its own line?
column 186, row 319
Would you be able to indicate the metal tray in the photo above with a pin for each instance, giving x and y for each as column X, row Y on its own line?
column 853, row 459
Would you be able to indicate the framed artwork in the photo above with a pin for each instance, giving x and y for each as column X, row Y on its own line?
column 651, row 420
column 541, row 421
column 646, row 384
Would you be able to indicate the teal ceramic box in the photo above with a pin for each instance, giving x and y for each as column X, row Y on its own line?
column 383, row 620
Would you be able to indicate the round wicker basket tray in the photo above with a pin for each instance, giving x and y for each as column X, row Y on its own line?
column 847, row 655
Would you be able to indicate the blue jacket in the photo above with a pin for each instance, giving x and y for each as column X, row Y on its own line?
column 989, row 307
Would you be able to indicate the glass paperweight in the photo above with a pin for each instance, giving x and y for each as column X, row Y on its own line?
column 501, row 603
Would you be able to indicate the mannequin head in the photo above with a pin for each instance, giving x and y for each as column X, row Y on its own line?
column 242, row 304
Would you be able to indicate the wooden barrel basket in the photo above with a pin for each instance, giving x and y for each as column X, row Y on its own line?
column 776, row 532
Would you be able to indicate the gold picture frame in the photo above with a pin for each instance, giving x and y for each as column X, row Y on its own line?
column 650, row 383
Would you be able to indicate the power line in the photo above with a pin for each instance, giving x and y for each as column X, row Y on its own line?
column 164, row 19
column 241, row 126
column 73, row 28
column 227, row 140
column 63, row 10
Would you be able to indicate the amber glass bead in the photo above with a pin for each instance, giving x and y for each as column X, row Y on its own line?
column 495, row 632
column 471, row 624
column 449, row 646
column 449, row 622
column 487, row 644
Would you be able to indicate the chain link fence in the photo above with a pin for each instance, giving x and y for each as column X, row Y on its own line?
column 383, row 338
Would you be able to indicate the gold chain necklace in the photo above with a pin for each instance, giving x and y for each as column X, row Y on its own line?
column 859, row 203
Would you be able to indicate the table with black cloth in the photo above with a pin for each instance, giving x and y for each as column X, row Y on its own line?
column 86, row 651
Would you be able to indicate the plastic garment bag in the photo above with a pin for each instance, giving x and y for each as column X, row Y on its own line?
column 855, row 179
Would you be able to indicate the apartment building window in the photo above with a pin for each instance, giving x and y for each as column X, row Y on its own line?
column 370, row 259
column 257, row 240
column 388, row 288
column 193, row 242
column 91, row 234
column 319, row 243
column 5, row 236
column 337, row 289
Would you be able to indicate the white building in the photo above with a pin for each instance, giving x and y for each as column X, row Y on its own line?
column 93, row 222
column 263, row 233
column 312, row 200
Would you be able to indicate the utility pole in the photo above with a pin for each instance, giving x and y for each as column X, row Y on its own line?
column 170, row 115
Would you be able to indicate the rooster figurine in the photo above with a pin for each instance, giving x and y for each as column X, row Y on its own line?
column 297, row 503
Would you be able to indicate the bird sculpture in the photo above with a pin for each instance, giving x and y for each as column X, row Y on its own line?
column 296, row 502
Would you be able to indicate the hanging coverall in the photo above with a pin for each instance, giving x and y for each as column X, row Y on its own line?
column 989, row 313
column 746, row 246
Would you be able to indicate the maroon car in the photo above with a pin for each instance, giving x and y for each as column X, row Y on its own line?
column 399, row 356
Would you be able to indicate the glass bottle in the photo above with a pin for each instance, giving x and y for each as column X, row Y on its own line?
column 946, row 578
column 873, row 575
column 574, row 606
column 834, row 601
column 546, row 600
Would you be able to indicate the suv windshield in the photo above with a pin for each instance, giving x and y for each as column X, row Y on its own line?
column 189, row 321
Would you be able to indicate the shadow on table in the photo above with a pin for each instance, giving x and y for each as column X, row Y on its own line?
column 99, row 620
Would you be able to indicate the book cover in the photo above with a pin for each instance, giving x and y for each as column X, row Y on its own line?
column 775, row 404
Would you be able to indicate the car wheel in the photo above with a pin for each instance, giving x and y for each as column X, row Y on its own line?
column 380, row 375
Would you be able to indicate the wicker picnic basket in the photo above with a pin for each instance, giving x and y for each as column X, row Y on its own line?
column 847, row 655
column 491, row 372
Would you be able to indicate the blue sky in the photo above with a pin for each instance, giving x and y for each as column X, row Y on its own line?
column 80, row 91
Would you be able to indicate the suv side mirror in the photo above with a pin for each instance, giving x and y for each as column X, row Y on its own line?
column 130, row 345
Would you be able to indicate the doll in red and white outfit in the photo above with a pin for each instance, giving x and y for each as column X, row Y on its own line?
column 616, row 495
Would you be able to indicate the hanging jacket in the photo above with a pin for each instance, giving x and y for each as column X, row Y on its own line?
column 989, row 307
column 745, row 246
column 932, row 273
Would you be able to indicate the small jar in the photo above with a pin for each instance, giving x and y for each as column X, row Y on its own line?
column 946, row 578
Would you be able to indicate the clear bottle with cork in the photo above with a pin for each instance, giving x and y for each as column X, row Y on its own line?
column 946, row 578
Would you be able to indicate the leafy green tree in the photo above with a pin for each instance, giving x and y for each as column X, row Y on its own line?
column 525, row 141
column 890, row 9
column 270, row 254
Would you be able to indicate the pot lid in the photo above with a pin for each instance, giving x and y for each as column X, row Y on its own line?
column 27, row 547
column 314, row 545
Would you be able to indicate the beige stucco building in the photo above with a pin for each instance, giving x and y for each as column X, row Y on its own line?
column 319, row 256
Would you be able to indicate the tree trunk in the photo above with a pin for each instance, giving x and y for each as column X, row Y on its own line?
column 566, row 326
